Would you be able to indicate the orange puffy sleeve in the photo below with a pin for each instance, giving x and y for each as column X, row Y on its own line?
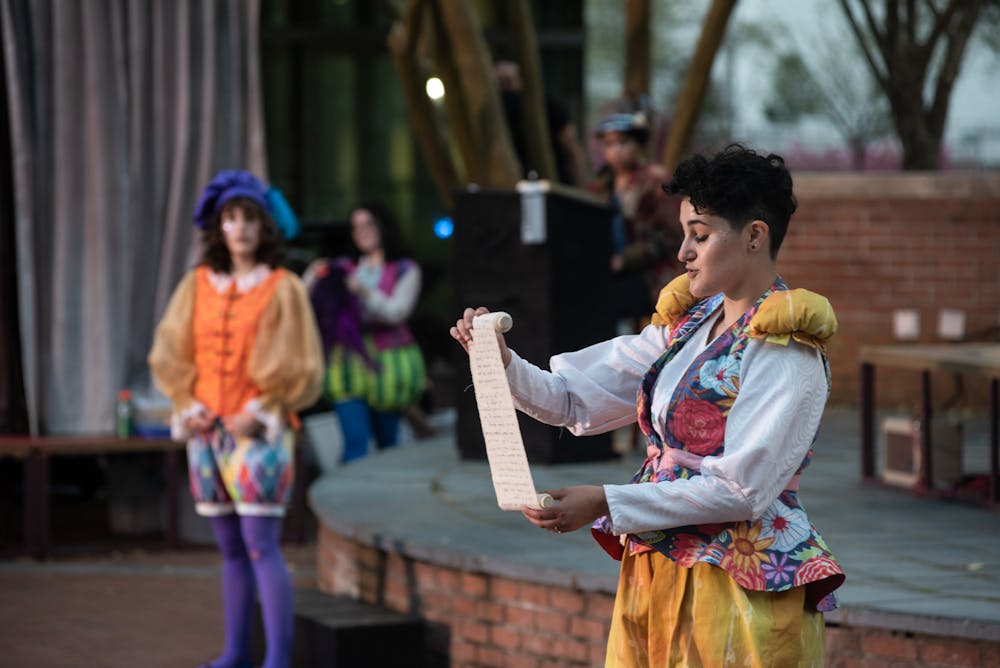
column 171, row 359
column 287, row 359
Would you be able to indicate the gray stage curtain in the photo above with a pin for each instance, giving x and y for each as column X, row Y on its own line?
column 120, row 111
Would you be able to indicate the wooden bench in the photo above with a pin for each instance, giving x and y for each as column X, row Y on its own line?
column 36, row 451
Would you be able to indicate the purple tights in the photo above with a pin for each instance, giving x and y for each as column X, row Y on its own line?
column 252, row 563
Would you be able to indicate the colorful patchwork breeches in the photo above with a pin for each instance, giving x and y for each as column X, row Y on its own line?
column 248, row 476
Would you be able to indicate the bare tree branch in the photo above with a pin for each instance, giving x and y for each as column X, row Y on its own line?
column 952, row 61
column 859, row 34
column 912, row 63
column 942, row 20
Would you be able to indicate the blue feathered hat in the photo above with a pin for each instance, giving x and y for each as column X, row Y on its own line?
column 232, row 183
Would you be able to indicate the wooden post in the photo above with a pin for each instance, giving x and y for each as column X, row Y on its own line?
column 495, row 158
column 926, row 417
column 637, row 47
column 534, row 113
column 402, row 46
column 696, row 82
column 867, row 399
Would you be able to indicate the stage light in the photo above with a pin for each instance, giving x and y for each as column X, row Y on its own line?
column 434, row 88
column 443, row 227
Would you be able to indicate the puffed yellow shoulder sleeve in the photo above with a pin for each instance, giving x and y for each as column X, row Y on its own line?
column 171, row 359
column 674, row 301
column 287, row 360
column 804, row 316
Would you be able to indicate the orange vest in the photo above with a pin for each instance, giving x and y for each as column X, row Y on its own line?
column 225, row 330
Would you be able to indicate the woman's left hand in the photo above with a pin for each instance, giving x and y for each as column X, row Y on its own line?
column 316, row 270
column 243, row 424
column 356, row 286
column 577, row 507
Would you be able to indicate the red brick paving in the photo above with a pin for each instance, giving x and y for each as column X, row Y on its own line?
column 143, row 608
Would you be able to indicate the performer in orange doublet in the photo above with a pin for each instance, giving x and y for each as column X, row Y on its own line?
column 238, row 353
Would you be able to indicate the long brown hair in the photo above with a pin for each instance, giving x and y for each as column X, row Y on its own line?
column 215, row 255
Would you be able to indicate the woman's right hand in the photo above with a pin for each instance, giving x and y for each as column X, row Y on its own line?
column 200, row 422
column 462, row 332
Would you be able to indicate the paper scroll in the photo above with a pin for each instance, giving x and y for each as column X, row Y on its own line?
column 504, row 447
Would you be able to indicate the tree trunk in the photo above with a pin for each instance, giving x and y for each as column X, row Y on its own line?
column 858, row 146
column 454, row 99
column 401, row 44
column 913, row 49
column 493, row 164
column 534, row 114
column 920, row 143
column 696, row 82
column 637, row 48
column 921, row 146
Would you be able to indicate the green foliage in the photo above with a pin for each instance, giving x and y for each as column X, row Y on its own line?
column 795, row 93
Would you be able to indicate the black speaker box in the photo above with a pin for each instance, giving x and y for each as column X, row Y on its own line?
column 557, row 291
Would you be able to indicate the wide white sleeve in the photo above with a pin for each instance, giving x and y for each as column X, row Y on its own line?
column 394, row 309
column 769, row 431
column 589, row 391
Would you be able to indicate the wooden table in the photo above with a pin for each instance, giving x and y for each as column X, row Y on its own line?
column 982, row 359
column 36, row 452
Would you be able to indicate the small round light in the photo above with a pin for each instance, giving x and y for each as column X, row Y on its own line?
column 434, row 88
column 443, row 227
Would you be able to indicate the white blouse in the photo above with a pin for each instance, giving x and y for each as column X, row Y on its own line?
column 769, row 429
column 396, row 308
column 391, row 309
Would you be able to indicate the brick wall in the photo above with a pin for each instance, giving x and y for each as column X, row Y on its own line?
column 850, row 647
column 874, row 243
column 475, row 620
column 484, row 620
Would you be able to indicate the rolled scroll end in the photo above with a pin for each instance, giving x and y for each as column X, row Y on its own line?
column 503, row 321
column 498, row 320
column 545, row 501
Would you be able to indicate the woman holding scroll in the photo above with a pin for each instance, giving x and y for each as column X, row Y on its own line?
column 720, row 564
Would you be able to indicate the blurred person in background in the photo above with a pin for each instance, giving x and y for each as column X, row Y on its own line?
column 375, row 369
column 645, row 234
column 571, row 160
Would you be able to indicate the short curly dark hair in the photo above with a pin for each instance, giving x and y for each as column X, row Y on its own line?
column 270, row 250
column 740, row 185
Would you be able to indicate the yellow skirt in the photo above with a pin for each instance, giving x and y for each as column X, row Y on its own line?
column 669, row 615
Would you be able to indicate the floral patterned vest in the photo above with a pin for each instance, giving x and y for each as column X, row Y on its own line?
column 774, row 552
